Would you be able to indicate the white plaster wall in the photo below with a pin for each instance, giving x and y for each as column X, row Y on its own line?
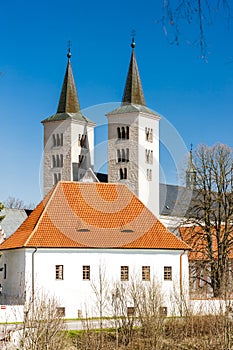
column 75, row 294
column 148, row 191
column 76, row 129
column 13, row 284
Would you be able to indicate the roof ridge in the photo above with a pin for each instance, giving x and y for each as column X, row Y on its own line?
column 50, row 195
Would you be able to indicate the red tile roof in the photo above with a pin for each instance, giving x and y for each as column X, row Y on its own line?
column 195, row 237
column 96, row 215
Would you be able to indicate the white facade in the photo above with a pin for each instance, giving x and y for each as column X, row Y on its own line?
column 37, row 267
column 142, row 165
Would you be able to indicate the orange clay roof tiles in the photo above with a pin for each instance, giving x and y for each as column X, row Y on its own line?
column 195, row 237
column 96, row 215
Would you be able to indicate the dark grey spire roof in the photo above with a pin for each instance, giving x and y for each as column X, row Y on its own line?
column 69, row 102
column 133, row 92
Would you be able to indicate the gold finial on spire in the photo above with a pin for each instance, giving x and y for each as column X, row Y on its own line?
column 69, row 46
column 133, row 33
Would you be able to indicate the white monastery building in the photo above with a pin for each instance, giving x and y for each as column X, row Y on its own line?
column 83, row 224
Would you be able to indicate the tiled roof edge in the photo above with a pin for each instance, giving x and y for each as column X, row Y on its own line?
column 50, row 195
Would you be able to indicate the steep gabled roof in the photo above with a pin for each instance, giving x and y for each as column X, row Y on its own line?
column 94, row 215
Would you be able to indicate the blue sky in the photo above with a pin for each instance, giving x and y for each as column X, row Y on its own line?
column 194, row 96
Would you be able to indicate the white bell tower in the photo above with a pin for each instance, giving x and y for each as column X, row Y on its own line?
column 68, row 138
column 133, row 142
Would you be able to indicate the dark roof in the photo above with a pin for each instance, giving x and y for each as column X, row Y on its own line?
column 174, row 200
column 63, row 116
column 69, row 102
column 129, row 108
column 13, row 219
column 68, row 106
column 133, row 92
column 102, row 177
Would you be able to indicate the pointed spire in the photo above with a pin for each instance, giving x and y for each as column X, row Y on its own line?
column 133, row 92
column 191, row 173
column 68, row 102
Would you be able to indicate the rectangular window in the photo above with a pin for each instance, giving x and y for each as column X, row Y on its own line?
column 56, row 178
column 146, row 273
column 149, row 174
column 4, row 272
column 124, row 273
column 61, row 311
column 167, row 273
column 59, row 272
column 163, row 311
column 130, row 311
column 61, row 137
column 149, row 134
column 86, row 273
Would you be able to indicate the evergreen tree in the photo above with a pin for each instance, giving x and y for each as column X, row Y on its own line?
column 1, row 208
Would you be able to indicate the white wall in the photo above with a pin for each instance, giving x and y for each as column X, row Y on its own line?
column 13, row 284
column 148, row 191
column 75, row 294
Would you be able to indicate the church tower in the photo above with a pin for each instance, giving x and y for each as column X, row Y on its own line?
column 191, row 173
column 68, row 137
column 133, row 141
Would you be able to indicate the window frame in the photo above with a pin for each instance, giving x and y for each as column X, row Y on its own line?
column 86, row 273
column 167, row 273
column 146, row 273
column 59, row 272
column 124, row 273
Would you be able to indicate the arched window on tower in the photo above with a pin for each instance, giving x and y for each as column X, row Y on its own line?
column 127, row 132
column 127, row 154
column 53, row 161
column 149, row 134
column 58, row 140
column 118, row 156
column 57, row 160
column 149, row 175
column 151, row 157
column 123, row 173
column 56, row 178
column 123, row 155
column 61, row 160
column 54, row 140
column 123, row 133
column 119, row 133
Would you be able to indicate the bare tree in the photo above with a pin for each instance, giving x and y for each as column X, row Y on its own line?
column 210, row 231
column 148, row 301
column 16, row 203
column 124, row 312
column 100, row 288
column 43, row 327
column 200, row 13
